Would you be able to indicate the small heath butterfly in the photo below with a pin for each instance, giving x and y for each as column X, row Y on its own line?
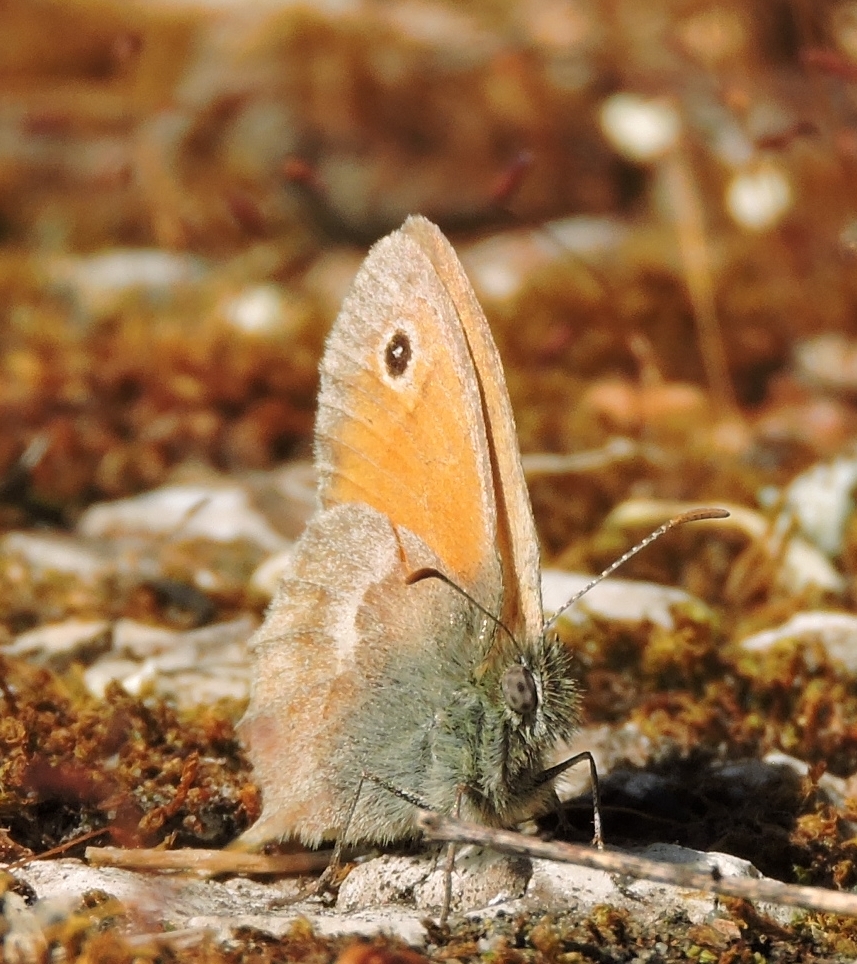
column 446, row 689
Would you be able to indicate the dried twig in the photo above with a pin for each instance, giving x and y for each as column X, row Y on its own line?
column 208, row 862
column 437, row 827
column 537, row 464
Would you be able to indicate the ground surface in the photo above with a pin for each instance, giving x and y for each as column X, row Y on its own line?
column 185, row 194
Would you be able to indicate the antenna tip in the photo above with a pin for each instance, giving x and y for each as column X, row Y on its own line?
column 698, row 515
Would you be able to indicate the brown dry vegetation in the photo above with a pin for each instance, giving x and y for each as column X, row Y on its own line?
column 267, row 147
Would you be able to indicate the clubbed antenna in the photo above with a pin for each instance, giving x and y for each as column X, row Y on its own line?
column 430, row 572
column 692, row 515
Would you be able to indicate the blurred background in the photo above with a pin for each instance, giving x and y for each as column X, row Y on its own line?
column 654, row 202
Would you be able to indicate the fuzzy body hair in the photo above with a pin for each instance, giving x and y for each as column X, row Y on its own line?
column 356, row 671
column 425, row 720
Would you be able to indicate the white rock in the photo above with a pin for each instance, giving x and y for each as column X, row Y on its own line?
column 140, row 678
column 485, row 883
column 726, row 865
column 329, row 277
column 59, row 644
column 135, row 640
column 405, row 924
column 759, row 197
column 194, row 667
column 821, row 500
column 452, row 30
column 267, row 576
column 384, row 880
column 98, row 282
column 555, row 883
column 828, row 360
column 479, row 878
column 141, row 641
column 67, row 880
column 502, row 263
column 802, row 566
column 837, row 632
column 585, row 235
column 221, row 513
column 262, row 309
column 611, row 746
column 217, row 907
column 499, row 265
column 619, row 599
column 837, row 789
column 24, row 940
column 287, row 495
column 570, row 885
column 641, row 128
column 805, row 567
column 194, row 688
column 56, row 553
column 97, row 677
column 761, row 777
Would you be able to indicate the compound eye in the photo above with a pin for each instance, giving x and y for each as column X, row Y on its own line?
column 519, row 689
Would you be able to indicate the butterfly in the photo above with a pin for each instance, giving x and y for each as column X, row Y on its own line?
column 406, row 642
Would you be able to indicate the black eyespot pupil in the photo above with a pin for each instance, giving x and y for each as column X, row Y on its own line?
column 397, row 354
column 519, row 689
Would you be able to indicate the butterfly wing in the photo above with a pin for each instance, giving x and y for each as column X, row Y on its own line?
column 401, row 418
column 326, row 701
column 418, row 466
column 517, row 541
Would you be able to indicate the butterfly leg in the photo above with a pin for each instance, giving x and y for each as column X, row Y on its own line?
column 450, row 862
column 553, row 772
column 562, row 824
column 451, row 848
column 329, row 873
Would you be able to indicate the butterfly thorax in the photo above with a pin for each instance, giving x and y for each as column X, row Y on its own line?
column 469, row 731
column 529, row 703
